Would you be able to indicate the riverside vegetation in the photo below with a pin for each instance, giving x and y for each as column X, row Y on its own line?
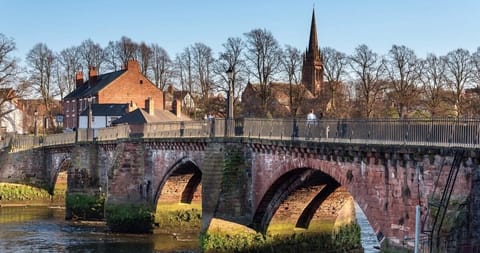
column 345, row 239
column 176, row 217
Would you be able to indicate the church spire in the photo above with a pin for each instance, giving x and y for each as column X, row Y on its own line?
column 313, row 42
column 312, row 70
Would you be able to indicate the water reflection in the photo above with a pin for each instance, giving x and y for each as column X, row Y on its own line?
column 368, row 237
column 42, row 229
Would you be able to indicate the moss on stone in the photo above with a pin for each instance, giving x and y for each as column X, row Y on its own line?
column 130, row 218
column 85, row 206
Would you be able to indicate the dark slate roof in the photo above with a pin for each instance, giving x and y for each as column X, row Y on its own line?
column 134, row 117
column 140, row 116
column 87, row 89
column 107, row 110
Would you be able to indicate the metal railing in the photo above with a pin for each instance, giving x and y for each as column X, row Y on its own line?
column 418, row 132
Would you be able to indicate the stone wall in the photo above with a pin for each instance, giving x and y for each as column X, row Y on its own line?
column 24, row 167
column 387, row 183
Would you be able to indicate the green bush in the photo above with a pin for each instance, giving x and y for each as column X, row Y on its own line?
column 19, row 193
column 130, row 218
column 86, row 207
column 346, row 239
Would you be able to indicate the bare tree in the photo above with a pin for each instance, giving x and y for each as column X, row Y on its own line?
column 8, row 73
column 231, row 58
column 41, row 61
column 161, row 66
column 112, row 57
column 126, row 49
column 459, row 73
column 292, row 64
column 69, row 60
column 264, row 57
column 476, row 66
column 92, row 54
column 202, row 65
column 145, row 55
column 184, row 66
column 403, row 76
column 369, row 71
column 334, row 64
column 433, row 81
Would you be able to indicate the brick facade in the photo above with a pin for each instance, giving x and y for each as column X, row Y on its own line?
column 120, row 87
column 131, row 87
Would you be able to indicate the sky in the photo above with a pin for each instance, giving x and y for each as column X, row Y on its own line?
column 426, row 26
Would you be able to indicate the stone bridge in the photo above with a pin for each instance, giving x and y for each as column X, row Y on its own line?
column 248, row 178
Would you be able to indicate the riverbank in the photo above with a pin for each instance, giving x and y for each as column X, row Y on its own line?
column 24, row 195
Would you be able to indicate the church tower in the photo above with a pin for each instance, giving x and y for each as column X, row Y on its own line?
column 312, row 70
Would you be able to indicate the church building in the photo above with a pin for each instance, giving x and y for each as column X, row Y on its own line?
column 312, row 70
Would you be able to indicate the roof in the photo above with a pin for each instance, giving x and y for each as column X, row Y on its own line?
column 87, row 89
column 140, row 116
column 107, row 110
column 180, row 94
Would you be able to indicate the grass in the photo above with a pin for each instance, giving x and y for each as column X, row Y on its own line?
column 18, row 193
column 171, row 216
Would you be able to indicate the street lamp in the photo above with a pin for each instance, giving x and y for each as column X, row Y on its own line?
column 89, row 119
column 229, row 120
column 35, row 127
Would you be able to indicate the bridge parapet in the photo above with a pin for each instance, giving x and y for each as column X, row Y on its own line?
column 463, row 133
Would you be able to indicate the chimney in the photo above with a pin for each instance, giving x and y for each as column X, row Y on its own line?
column 177, row 107
column 149, row 106
column 79, row 79
column 131, row 106
column 170, row 89
column 92, row 75
column 132, row 65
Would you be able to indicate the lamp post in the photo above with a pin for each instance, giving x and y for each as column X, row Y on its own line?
column 229, row 119
column 89, row 117
column 35, row 127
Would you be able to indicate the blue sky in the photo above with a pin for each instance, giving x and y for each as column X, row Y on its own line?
column 426, row 26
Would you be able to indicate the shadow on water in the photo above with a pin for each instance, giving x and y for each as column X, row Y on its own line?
column 43, row 229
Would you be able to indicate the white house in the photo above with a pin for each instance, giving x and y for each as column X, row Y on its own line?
column 102, row 115
column 12, row 122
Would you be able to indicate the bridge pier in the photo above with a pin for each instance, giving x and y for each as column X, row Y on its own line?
column 84, row 199
column 128, row 207
column 225, row 183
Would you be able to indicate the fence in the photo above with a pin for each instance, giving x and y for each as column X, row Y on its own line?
column 419, row 132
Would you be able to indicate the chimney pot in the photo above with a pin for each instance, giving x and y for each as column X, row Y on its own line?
column 92, row 75
column 79, row 79
column 132, row 65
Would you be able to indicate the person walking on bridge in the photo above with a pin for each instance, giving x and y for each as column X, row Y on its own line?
column 312, row 121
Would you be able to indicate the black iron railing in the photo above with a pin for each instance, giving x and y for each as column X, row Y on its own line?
column 420, row 132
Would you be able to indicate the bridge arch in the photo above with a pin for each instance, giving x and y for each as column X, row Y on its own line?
column 183, row 167
column 287, row 184
column 63, row 166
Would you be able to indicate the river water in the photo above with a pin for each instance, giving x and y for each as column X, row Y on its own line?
column 44, row 229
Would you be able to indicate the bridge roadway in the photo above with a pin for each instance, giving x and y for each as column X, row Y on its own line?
column 248, row 168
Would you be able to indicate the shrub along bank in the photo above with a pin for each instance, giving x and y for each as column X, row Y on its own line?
column 345, row 239
column 18, row 194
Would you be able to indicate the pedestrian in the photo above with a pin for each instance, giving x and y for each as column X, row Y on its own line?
column 312, row 121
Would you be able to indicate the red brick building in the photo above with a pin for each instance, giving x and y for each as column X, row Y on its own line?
column 124, row 86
